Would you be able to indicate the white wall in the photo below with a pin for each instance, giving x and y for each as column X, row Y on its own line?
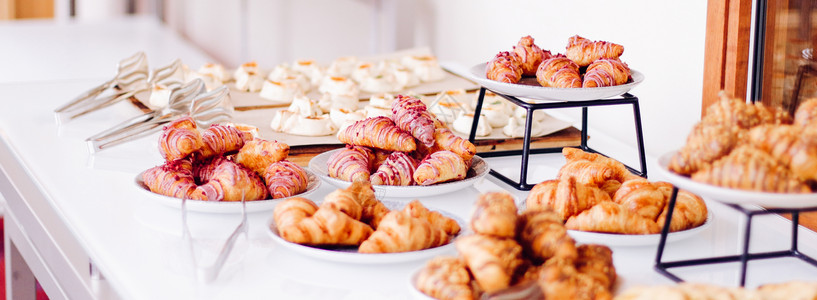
column 663, row 39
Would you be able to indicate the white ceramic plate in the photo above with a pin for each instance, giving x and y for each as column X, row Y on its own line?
column 734, row 196
column 615, row 240
column 350, row 254
column 529, row 88
column 225, row 207
column 479, row 168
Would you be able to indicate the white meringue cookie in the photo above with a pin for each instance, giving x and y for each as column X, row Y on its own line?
column 283, row 72
column 342, row 66
column 377, row 111
column 381, row 100
column 426, row 67
column 340, row 117
column 304, row 106
column 363, row 70
column 516, row 128
column 522, row 113
column 215, row 71
column 252, row 130
column 281, row 92
column 329, row 101
column 496, row 117
column 293, row 123
column 464, row 122
column 495, row 102
column 248, row 77
column 381, row 83
column 310, row 69
column 446, row 109
column 339, row 85
column 159, row 95
column 405, row 77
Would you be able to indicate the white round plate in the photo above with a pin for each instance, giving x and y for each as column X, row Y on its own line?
column 479, row 168
column 224, row 207
column 350, row 254
column 734, row 196
column 612, row 239
column 529, row 88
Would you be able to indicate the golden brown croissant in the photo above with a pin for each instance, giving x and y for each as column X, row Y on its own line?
column 621, row 173
column 351, row 163
column 792, row 146
column 411, row 115
column 806, row 113
column 179, row 139
column 440, row 166
column 398, row 169
column 377, row 132
column 344, row 201
column 373, row 209
column 566, row 197
column 174, row 178
column 416, row 210
column 560, row 280
column 690, row 211
column 530, row 55
column 612, row 217
column 559, row 71
column 749, row 168
column 400, row 232
column 220, row 139
column 495, row 214
column 380, row 156
column 492, row 261
column 584, row 51
column 706, row 143
column 300, row 221
column 257, row 154
column 446, row 278
column 504, row 67
column 642, row 197
column 606, row 72
column 737, row 112
column 543, row 236
column 224, row 180
column 587, row 172
column 445, row 139
column 285, row 179
column 597, row 262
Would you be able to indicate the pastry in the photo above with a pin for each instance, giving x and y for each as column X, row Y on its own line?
column 596, row 261
column 492, row 261
column 221, row 139
column 397, row 169
column 373, row 210
column 504, row 67
column 294, row 123
column 530, row 55
column 440, row 166
column 806, row 113
column 559, row 71
column 398, row 231
column 412, row 116
column 213, row 75
column 689, row 212
column 448, row 225
column 342, row 117
column 584, row 51
column 179, row 139
column 174, row 178
column 299, row 220
column 284, row 74
column 543, row 236
column 342, row 66
column 338, row 85
column 642, row 197
column 588, row 172
column 446, row 278
column 379, row 132
column 305, row 106
column 621, row 172
column 285, row 179
column 566, row 197
column 444, row 139
column 706, row 143
column 351, row 163
column 494, row 214
column 749, row 168
column 612, row 217
column 224, row 180
column 257, row 154
column 795, row 148
column 606, row 72
column 560, row 279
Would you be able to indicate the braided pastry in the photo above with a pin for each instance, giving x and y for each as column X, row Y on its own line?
column 530, row 55
column 584, row 51
column 504, row 67
column 224, row 180
column 350, row 163
column 606, row 72
column 377, row 132
column 285, row 179
column 559, row 71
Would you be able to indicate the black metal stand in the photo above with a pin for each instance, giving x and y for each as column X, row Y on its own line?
column 743, row 258
column 522, row 184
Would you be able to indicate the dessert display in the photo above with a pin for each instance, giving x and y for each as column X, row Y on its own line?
column 688, row 290
column 751, row 147
column 410, row 147
column 354, row 217
column 528, row 255
column 224, row 162
column 584, row 64
column 598, row 194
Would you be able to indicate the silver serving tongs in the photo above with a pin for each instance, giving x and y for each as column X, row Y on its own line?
column 132, row 73
column 181, row 100
column 210, row 273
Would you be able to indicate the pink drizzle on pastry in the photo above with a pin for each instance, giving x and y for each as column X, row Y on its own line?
column 398, row 169
column 411, row 115
column 285, row 179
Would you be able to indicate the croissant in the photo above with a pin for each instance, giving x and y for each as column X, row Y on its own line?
column 737, row 112
column 749, row 168
column 446, row 278
column 494, row 214
column 621, row 173
column 530, row 55
column 587, row 172
column 300, row 221
column 412, row 116
column 612, row 217
column 445, row 139
column 584, row 51
column 220, row 139
column 398, row 169
column 440, row 166
column 285, row 179
column 641, row 197
column 543, row 236
column 706, row 143
column 597, row 262
column 492, row 261
column 606, row 72
column 350, row 163
column 504, row 67
column 224, row 180
column 344, row 201
column 559, row 71
column 559, row 279
column 257, row 154
column 416, row 210
column 689, row 212
column 377, row 132
column 179, row 139
column 399, row 232
column 806, row 113
column 380, row 156
column 567, row 197
column 792, row 146
column 174, row 178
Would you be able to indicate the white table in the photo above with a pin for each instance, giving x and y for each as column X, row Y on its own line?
column 68, row 210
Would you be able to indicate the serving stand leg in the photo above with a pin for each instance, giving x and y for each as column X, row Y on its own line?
column 663, row 267
column 522, row 184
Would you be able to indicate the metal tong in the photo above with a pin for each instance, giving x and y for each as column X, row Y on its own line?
column 209, row 273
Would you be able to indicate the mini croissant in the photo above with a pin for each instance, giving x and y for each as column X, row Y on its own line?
column 300, row 221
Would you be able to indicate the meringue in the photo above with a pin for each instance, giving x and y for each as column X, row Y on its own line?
column 342, row 66
column 425, row 67
column 339, row 85
column 329, row 101
column 248, row 77
column 293, row 123
column 343, row 117
column 381, row 100
column 282, row 92
column 522, row 113
column 310, row 69
column 516, row 128
column 381, row 83
column 304, row 106
column 496, row 117
column 159, row 95
column 213, row 76
column 377, row 111
column 464, row 122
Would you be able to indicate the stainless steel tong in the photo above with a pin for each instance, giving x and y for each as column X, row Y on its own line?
column 190, row 99
column 209, row 273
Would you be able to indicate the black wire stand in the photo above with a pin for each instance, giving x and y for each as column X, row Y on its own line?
column 744, row 257
column 522, row 184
